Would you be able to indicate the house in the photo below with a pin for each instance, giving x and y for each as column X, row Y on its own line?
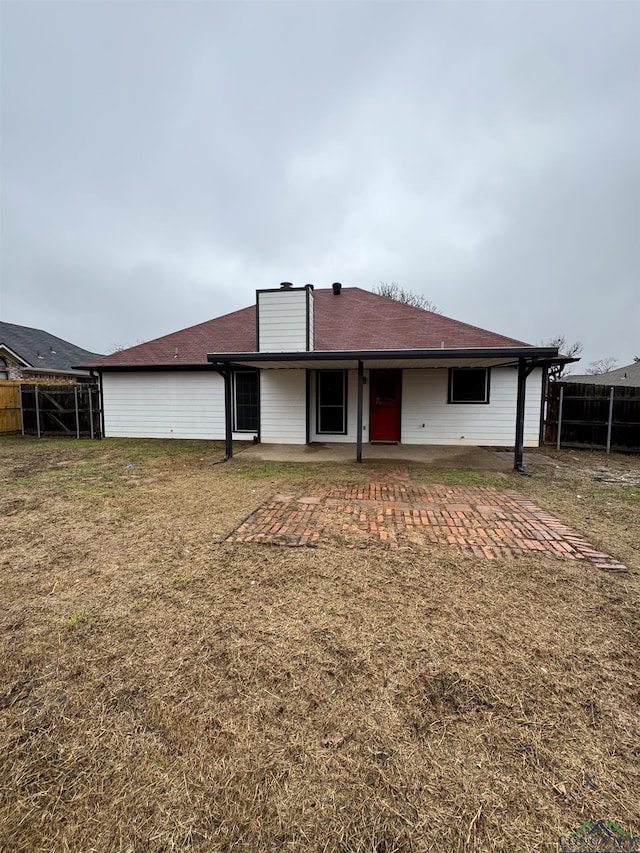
column 628, row 377
column 27, row 353
column 340, row 364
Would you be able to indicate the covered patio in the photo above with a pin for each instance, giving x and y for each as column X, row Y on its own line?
column 522, row 359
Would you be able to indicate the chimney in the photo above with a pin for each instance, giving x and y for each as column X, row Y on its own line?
column 337, row 287
column 284, row 318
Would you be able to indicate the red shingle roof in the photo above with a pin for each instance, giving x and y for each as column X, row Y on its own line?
column 354, row 320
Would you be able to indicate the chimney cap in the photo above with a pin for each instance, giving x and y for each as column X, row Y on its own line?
column 337, row 287
column 286, row 285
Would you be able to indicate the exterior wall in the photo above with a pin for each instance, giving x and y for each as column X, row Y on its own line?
column 427, row 418
column 282, row 320
column 176, row 404
column 352, row 410
column 283, row 418
column 171, row 404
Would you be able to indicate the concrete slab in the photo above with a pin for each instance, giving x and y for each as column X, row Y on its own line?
column 444, row 456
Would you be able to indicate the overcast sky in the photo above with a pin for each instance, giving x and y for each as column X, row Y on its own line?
column 161, row 161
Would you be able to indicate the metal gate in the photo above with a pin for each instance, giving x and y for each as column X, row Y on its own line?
column 71, row 410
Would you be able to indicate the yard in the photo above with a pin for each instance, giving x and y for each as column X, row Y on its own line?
column 164, row 689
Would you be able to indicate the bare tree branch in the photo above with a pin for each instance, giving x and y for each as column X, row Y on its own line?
column 416, row 300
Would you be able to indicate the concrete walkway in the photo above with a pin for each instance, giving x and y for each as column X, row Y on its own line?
column 449, row 456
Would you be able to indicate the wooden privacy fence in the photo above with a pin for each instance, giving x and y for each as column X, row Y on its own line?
column 598, row 416
column 52, row 409
column 10, row 418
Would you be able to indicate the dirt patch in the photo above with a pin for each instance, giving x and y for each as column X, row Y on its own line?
column 161, row 689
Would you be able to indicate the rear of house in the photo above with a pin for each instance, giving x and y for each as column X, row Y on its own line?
column 336, row 364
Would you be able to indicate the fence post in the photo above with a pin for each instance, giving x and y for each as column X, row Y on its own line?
column 21, row 411
column 75, row 388
column 560, row 417
column 35, row 397
column 610, row 424
column 90, row 412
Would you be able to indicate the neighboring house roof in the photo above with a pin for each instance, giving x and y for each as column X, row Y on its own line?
column 355, row 320
column 629, row 375
column 38, row 350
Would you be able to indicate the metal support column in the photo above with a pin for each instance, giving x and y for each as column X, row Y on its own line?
column 228, row 425
column 518, row 463
column 359, row 421
column 307, row 391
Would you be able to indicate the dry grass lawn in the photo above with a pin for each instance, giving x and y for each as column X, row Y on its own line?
column 162, row 690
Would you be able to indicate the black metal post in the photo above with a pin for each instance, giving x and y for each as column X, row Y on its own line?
column 359, row 419
column 307, row 391
column 228, row 424
column 518, row 463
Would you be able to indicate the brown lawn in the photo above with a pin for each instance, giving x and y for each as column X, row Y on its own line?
column 164, row 690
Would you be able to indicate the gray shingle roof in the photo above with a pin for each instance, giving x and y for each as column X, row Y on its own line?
column 629, row 375
column 41, row 350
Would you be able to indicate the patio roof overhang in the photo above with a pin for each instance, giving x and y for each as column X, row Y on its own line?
column 387, row 359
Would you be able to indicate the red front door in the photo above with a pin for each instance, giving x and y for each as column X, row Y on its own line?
column 384, row 397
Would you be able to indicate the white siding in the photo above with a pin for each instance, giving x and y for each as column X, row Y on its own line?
column 177, row 404
column 311, row 320
column 282, row 320
column 172, row 404
column 352, row 410
column 427, row 418
column 283, row 407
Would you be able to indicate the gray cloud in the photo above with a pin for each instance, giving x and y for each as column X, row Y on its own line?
column 162, row 161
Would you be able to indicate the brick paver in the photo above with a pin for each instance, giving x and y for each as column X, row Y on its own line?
column 488, row 522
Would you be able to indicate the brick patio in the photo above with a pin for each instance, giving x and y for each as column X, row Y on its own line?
column 482, row 520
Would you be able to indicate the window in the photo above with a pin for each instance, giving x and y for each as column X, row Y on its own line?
column 246, row 408
column 469, row 385
column 331, row 389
